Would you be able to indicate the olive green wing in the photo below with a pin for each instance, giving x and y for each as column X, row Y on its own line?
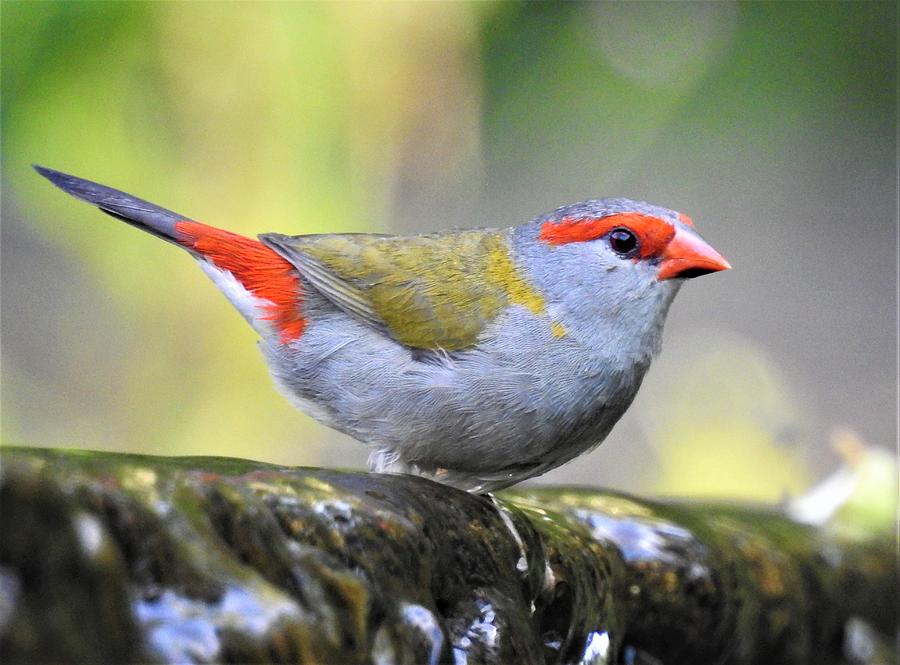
column 434, row 291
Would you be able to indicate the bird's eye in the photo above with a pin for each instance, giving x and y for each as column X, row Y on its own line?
column 623, row 241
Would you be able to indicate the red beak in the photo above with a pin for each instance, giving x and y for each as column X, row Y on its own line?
column 687, row 255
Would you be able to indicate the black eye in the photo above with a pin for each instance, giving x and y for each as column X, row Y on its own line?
column 622, row 241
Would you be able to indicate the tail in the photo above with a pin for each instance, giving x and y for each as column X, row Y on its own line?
column 269, row 292
column 130, row 209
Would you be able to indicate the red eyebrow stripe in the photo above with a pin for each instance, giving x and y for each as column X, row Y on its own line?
column 259, row 269
column 653, row 233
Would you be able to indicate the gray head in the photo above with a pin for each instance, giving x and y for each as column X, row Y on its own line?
column 610, row 267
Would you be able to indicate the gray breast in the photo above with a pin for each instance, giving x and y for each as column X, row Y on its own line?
column 523, row 401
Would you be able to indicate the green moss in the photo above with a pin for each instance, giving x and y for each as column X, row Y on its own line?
column 109, row 557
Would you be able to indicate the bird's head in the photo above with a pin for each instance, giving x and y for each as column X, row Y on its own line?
column 611, row 267
column 632, row 235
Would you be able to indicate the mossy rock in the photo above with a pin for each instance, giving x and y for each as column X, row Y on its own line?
column 121, row 558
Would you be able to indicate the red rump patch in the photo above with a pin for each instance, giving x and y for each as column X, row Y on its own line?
column 260, row 270
column 653, row 233
column 684, row 219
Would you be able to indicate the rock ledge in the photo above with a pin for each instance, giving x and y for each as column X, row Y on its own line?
column 122, row 558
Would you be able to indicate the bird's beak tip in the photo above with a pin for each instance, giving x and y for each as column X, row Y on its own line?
column 688, row 255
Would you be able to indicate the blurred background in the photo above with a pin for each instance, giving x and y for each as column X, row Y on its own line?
column 773, row 125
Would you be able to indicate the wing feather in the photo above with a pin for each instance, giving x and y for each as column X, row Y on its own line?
column 434, row 291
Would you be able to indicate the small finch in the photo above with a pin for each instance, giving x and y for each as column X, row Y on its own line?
column 476, row 357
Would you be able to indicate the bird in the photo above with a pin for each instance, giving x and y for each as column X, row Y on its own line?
column 475, row 357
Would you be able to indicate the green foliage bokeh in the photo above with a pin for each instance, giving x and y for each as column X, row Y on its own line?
column 404, row 117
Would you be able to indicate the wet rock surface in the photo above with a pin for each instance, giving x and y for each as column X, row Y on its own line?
column 119, row 558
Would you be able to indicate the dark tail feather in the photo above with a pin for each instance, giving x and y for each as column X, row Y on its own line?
column 147, row 216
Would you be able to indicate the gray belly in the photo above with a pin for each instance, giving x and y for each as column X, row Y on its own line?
column 523, row 402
